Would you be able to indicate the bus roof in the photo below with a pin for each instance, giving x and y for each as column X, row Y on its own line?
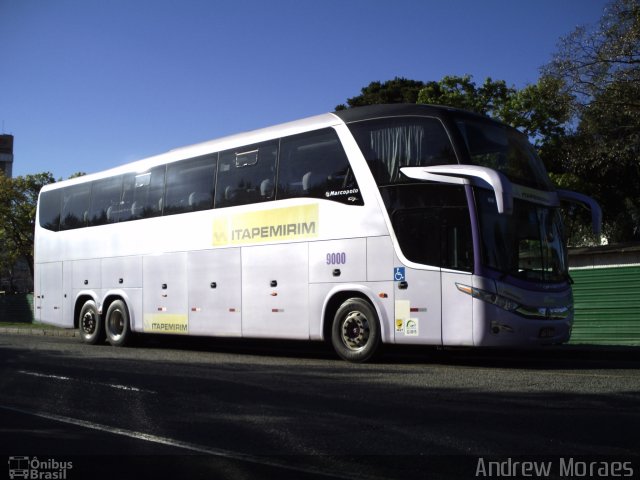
column 271, row 132
column 210, row 146
column 402, row 109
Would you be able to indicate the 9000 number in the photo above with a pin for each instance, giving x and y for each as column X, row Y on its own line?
column 339, row 258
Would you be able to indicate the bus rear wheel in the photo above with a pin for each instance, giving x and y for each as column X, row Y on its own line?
column 90, row 323
column 117, row 325
column 355, row 333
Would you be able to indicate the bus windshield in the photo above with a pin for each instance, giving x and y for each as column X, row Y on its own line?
column 527, row 244
column 388, row 144
column 504, row 149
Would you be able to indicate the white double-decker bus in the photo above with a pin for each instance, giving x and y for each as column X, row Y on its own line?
column 400, row 224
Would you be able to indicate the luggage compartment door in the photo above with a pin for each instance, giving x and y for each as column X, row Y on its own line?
column 275, row 292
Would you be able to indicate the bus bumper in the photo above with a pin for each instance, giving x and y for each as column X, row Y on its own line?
column 495, row 327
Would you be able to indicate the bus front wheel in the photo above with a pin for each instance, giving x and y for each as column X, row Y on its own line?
column 90, row 323
column 355, row 333
column 117, row 325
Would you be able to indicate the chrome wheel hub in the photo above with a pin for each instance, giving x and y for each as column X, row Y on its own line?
column 89, row 323
column 355, row 331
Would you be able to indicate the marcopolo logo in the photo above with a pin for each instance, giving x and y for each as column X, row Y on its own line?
column 40, row 469
column 337, row 193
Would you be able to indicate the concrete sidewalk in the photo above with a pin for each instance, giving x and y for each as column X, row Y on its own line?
column 29, row 329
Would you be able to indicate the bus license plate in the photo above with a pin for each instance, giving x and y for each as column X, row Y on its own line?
column 547, row 332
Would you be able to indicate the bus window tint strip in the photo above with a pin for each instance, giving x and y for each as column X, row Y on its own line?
column 312, row 164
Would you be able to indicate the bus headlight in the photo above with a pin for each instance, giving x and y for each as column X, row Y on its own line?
column 537, row 313
column 492, row 298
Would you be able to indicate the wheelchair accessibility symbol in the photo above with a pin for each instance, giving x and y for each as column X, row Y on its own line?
column 398, row 274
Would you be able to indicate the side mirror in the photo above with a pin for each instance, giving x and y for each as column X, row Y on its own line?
column 468, row 175
column 579, row 198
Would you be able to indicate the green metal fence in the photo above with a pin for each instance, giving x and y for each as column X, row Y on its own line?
column 16, row 308
column 607, row 306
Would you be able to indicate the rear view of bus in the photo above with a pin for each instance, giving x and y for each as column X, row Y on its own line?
column 476, row 227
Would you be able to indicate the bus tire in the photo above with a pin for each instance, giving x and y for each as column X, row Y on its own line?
column 90, row 324
column 355, row 332
column 117, row 325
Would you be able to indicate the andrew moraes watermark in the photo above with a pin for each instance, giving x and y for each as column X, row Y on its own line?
column 568, row 467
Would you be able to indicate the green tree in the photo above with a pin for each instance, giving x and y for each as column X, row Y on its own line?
column 542, row 110
column 18, row 201
column 599, row 68
column 398, row 90
column 461, row 92
column 600, row 64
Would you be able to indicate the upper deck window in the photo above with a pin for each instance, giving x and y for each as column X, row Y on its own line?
column 105, row 201
column 389, row 144
column 190, row 184
column 246, row 175
column 49, row 209
column 314, row 164
column 75, row 206
column 142, row 194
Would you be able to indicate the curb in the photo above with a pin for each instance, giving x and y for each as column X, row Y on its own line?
column 47, row 332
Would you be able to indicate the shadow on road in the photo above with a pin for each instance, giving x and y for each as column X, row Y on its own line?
column 573, row 357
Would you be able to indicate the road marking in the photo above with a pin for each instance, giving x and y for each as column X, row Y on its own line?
column 110, row 385
column 126, row 387
column 43, row 375
column 217, row 452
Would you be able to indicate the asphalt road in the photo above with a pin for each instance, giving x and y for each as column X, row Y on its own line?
column 203, row 408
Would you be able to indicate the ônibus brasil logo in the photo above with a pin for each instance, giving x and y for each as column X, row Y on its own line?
column 34, row 468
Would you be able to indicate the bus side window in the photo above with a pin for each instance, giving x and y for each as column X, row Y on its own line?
column 105, row 201
column 246, row 175
column 314, row 164
column 432, row 224
column 75, row 206
column 142, row 195
column 124, row 206
column 190, row 185
column 49, row 209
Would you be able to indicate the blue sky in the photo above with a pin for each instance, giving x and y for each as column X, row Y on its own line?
column 86, row 85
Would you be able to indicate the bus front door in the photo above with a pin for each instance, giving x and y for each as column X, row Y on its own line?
column 418, row 309
column 457, row 310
